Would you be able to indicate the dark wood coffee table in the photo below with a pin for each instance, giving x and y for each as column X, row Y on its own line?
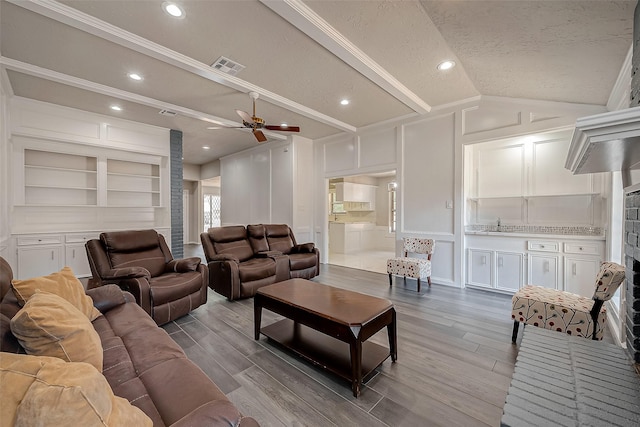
column 328, row 326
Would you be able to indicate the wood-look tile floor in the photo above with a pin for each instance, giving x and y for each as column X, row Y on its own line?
column 455, row 359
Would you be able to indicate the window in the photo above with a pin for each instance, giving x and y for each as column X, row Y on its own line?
column 392, row 186
column 211, row 211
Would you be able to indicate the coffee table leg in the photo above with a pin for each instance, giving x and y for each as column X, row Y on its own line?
column 356, row 366
column 257, row 317
column 393, row 336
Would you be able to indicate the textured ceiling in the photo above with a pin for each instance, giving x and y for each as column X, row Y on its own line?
column 78, row 54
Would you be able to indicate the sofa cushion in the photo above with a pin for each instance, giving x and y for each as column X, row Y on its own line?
column 8, row 341
column 173, row 286
column 231, row 240
column 63, row 283
column 257, row 238
column 279, row 238
column 48, row 325
column 256, row 269
column 47, row 391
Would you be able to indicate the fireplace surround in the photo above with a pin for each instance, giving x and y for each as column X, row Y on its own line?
column 632, row 264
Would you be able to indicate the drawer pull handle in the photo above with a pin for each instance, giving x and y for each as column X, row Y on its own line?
column 580, row 248
column 542, row 246
column 39, row 240
column 546, row 266
column 74, row 254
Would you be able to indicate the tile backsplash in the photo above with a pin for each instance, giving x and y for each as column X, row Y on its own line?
column 538, row 229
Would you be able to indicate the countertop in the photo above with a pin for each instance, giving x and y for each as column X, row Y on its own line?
column 539, row 236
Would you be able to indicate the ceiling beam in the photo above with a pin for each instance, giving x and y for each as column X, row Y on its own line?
column 306, row 20
column 82, row 21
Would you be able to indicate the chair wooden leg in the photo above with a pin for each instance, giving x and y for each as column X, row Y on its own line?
column 390, row 280
column 418, row 285
column 514, row 335
column 429, row 280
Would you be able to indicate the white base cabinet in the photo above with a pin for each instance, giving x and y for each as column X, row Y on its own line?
column 501, row 261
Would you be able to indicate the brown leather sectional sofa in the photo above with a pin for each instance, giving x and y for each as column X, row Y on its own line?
column 243, row 259
column 141, row 362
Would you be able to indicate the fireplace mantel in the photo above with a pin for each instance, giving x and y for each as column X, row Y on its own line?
column 606, row 142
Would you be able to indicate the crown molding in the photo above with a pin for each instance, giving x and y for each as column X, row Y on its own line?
column 306, row 20
column 87, row 23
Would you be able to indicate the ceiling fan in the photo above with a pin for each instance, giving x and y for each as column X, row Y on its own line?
column 256, row 124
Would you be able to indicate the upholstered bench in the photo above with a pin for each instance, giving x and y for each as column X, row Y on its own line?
column 415, row 268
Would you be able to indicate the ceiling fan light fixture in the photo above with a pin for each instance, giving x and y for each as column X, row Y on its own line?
column 446, row 65
column 284, row 125
column 173, row 9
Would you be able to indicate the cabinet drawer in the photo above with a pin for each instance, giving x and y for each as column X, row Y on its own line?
column 39, row 240
column 543, row 246
column 581, row 248
column 80, row 238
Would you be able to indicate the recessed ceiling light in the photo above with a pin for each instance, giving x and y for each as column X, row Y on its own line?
column 205, row 147
column 116, row 108
column 135, row 76
column 344, row 102
column 446, row 65
column 173, row 9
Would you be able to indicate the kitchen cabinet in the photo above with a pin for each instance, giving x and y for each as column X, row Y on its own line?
column 543, row 270
column 509, row 270
column 480, row 271
column 353, row 192
column 580, row 274
column 345, row 238
column 496, row 269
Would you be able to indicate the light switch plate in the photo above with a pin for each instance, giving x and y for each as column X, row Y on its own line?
column 449, row 204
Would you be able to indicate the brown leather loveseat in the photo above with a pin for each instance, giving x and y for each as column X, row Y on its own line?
column 141, row 362
column 243, row 259
column 140, row 262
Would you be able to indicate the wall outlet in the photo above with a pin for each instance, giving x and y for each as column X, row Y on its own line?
column 449, row 204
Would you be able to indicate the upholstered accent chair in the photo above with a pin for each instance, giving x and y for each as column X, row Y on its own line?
column 406, row 266
column 566, row 312
column 140, row 262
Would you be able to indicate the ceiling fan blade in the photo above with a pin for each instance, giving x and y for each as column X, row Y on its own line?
column 283, row 128
column 245, row 116
column 259, row 135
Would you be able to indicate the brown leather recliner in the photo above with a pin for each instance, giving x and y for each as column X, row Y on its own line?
column 235, row 269
column 304, row 259
column 140, row 262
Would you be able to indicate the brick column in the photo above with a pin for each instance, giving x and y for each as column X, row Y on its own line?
column 177, row 238
column 632, row 274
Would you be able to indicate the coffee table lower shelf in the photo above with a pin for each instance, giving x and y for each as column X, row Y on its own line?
column 323, row 350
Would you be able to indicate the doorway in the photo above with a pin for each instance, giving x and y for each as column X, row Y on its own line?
column 362, row 221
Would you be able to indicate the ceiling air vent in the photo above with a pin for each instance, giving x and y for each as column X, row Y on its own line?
column 227, row 66
column 168, row 113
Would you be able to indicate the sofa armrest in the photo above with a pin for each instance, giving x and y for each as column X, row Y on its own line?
column 215, row 413
column 304, row 248
column 107, row 297
column 183, row 265
column 117, row 274
column 225, row 257
column 267, row 254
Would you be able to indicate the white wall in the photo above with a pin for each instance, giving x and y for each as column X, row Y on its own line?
column 427, row 153
column 5, row 150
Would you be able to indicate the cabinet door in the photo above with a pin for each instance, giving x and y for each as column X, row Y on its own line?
column 543, row 270
column 38, row 261
column 76, row 258
column 580, row 275
column 509, row 270
column 479, row 267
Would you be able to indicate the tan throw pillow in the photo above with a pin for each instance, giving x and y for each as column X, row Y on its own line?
column 64, row 284
column 46, row 391
column 48, row 325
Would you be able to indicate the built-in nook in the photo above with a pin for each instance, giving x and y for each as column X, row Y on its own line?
column 362, row 220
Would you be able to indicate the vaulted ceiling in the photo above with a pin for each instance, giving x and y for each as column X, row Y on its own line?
column 303, row 57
